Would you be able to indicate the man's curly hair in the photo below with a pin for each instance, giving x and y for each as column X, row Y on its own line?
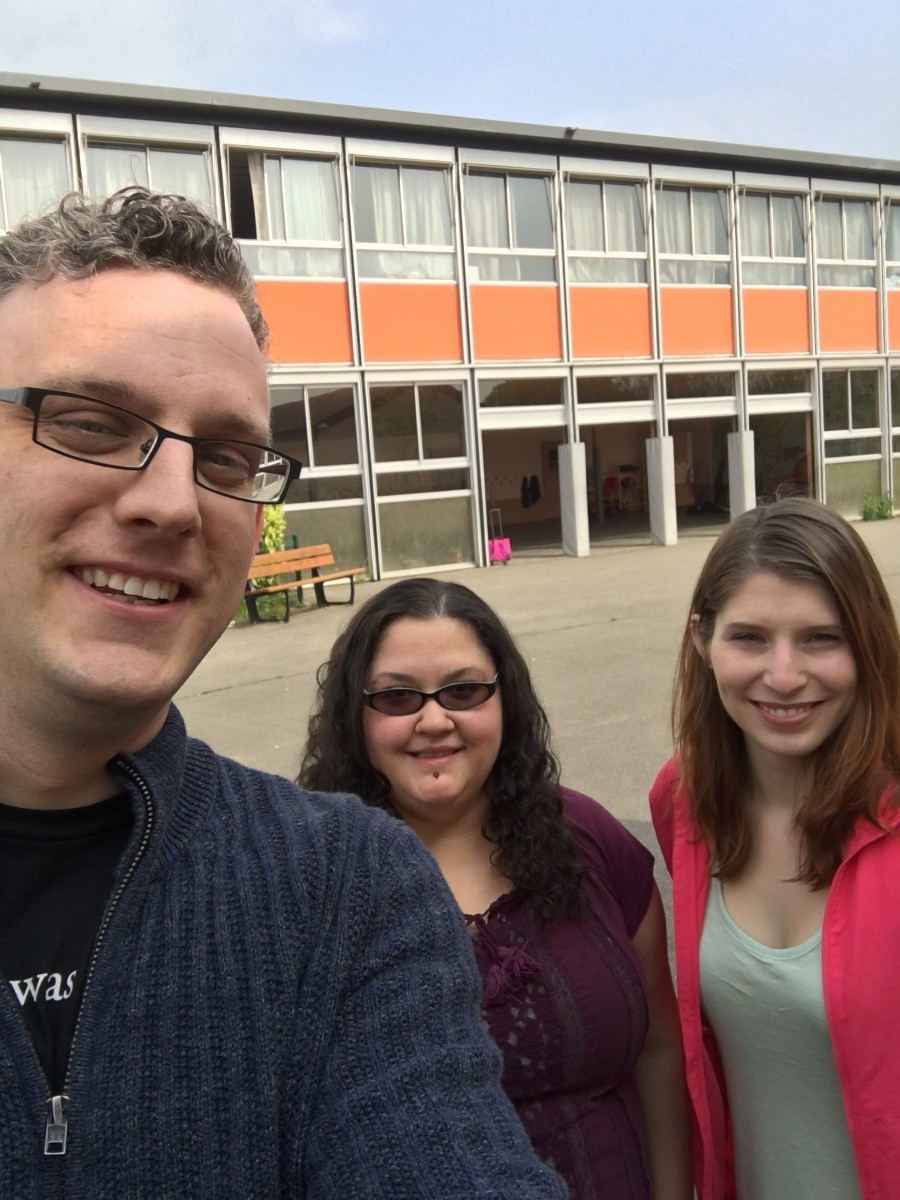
column 133, row 228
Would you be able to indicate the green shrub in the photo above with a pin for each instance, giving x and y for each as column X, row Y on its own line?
column 877, row 508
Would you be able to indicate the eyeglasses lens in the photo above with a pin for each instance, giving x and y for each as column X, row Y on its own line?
column 456, row 697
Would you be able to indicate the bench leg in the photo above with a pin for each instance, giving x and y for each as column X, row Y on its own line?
column 319, row 589
column 252, row 610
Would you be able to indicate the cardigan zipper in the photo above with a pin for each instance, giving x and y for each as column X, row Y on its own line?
column 56, row 1130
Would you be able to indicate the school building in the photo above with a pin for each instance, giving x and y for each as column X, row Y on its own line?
column 589, row 332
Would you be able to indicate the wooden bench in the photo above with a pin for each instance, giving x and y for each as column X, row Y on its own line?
column 293, row 562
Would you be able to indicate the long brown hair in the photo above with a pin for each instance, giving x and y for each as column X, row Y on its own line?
column 795, row 539
column 533, row 847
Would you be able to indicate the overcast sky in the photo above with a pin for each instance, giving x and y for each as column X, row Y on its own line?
column 816, row 75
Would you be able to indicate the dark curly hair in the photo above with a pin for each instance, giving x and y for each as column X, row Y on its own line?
column 132, row 228
column 533, row 847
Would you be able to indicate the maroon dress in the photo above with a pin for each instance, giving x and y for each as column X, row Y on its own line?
column 566, row 1004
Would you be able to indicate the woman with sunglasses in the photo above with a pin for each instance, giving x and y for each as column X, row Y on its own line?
column 779, row 820
column 426, row 708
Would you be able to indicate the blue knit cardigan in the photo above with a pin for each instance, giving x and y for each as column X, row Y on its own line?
column 282, row 1003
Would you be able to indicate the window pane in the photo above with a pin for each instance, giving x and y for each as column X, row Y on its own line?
column 184, row 173
column 532, row 226
column 700, row 385
column 394, row 423
column 486, row 220
column 322, row 489
column 411, row 483
column 426, row 533
column 846, row 484
column 755, row 226
column 289, row 423
column 615, row 389
column 774, row 274
column 426, row 206
column 787, row 226
column 276, row 227
column 443, row 423
column 624, row 217
column 584, row 215
column 701, row 273
column 895, row 400
column 112, row 167
column 892, row 249
column 607, row 270
column 405, row 264
column 307, row 263
column 674, row 221
column 311, row 207
column 835, row 407
column 376, row 204
column 864, row 400
column 829, row 234
column 332, row 419
column 846, row 276
column 710, row 233
column 344, row 529
column 851, row 446
column 860, row 235
column 777, row 383
column 513, row 392
column 513, row 268
column 35, row 175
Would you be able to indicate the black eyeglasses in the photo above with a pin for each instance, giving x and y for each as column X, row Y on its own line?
column 97, row 432
column 455, row 697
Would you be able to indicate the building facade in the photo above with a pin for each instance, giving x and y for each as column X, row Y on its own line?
column 587, row 332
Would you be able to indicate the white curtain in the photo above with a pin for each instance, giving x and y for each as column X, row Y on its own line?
column 35, row 175
column 182, row 173
column 830, row 241
column 892, row 248
column 486, row 218
column 112, row 167
column 584, row 215
column 624, row 217
column 787, row 227
column 755, row 226
column 674, row 221
column 376, row 204
column 860, row 236
column 310, row 200
column 426, row 206
column 710, row 231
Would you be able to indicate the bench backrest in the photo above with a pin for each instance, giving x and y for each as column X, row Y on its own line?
column 282, row 561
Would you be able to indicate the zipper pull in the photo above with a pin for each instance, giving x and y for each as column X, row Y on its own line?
column 57, row 1125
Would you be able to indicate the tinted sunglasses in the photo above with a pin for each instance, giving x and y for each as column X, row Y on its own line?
column 455, row 697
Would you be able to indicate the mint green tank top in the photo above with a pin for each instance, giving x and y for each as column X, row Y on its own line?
column 767, row 1010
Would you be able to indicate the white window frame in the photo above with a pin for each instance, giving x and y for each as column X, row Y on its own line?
column 37, row 127
column 847, row 433
column 576, row 176
column 152, row 135
column 847, row 196
column 692, row 186
column 518, row 168
column 773, row 258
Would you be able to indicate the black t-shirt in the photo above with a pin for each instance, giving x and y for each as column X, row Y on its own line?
column 56, row 874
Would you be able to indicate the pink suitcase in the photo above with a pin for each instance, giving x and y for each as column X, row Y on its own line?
column 499, row 549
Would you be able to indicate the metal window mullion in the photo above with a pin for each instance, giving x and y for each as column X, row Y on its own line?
column 400, row 197
column 418, row 423
column 309, row 426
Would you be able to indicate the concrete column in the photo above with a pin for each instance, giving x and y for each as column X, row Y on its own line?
column 741, row 473
column 573, row 506
column 661, row 490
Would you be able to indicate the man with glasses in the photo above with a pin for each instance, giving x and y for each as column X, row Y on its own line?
column 213, row 984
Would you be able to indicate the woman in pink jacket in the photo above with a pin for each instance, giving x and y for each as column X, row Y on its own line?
column 779, row 822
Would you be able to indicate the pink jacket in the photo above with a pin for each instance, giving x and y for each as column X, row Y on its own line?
column 861, row 980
